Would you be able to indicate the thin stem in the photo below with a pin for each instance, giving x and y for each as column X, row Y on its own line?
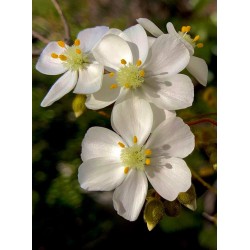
column 202, row 121
column 204, row 183
column 64, row 21
column 210, row 218
column 199, row 116
column 40, row 37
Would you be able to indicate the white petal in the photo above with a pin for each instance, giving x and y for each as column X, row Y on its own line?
column 151, row 41
column 198, row 68
column 90, row 37
column 60, row 88
column 172, row 31
column 169, row 177
column 172, row 138
column 100, row 174
column 111, row 50
column 101, row 142
column 105, row 96
column 168, row 55
column 132, row 117
column 160, row 115
column 171, row 93
column 48, row 65
column 138, row 42
column 130, row 196
column 90, row 79
column 149, row 26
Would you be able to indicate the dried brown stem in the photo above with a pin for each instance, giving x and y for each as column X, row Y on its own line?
column 64, row 21
column 204, row 183
column 202, row 121
column 40, row 37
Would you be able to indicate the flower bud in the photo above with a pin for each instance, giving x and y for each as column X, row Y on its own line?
column 78, row 105
column 153, row 213
column 172, row 208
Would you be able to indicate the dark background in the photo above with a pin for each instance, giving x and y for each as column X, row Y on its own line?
column 64, row 216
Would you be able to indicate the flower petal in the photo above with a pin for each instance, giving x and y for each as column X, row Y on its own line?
column 168, row 56
column 60, row 88
column 172, row 31
column 169, row 177
column 160, row 115
column 171, row 93
column 100, row 174
column 105, row 96
column 101, row 142
column 138, row 42
column 130, row 196
column 198, row 68
column 132, row 117
column 172, row 138
column 149, row 26
column 48, row 65
column 90, row 37
column 151, row 41
column 111, row 50
column 90, row 79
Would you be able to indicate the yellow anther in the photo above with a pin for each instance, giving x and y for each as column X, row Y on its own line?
column 126, row 169
column 54, row 55
column 147, row 162
column 113, row 86
column 78, row 51
column 138, row 63
column 111, row 74
column 148, row 152
column 121, row 144
column 200, row 45
column 63, row 57
column 123, row 61
column 127, row 85
column 196, row 38
column 61, row 44
column 188, row 28
column 142, row 73
column 135, row 139
column 77, row 42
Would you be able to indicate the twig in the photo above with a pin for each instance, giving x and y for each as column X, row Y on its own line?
column 199, row 116
column 204, row 183
column 36, row 53
column 40, row 37
column 210, row 218
column 202, row 121
column 64, row 21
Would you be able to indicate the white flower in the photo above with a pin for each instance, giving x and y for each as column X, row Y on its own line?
column 197, row 66
column 126, row 159
column 76, row 62
column 151, row 73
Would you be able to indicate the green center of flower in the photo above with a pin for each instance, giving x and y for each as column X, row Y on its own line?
column 130, row 76
column 134, row 156
column 192, row 41
column 73, row 57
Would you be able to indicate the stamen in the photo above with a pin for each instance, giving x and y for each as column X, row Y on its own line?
column 61, row 44
column 113, row 86
column 78, row 51
column 127, row 85
column 54, row 55
column 142, row 73
column 135, row 139
column 196, row 38
column 63, row 57
column 77, row 42
column 147, row 162
column 148, row 152
column 200, row 45
column 185, row 29
column 111, row 74
column 138, row 63
column 121, row 144
column 126, row 169
column 123, row 61
column 188, row 28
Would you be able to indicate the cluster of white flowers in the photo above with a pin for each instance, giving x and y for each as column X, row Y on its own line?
column 141, row 75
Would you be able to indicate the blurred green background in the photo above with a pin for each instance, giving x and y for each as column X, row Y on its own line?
column 64, row 216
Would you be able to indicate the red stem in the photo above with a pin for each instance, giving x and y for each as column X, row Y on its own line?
column 202, row 121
